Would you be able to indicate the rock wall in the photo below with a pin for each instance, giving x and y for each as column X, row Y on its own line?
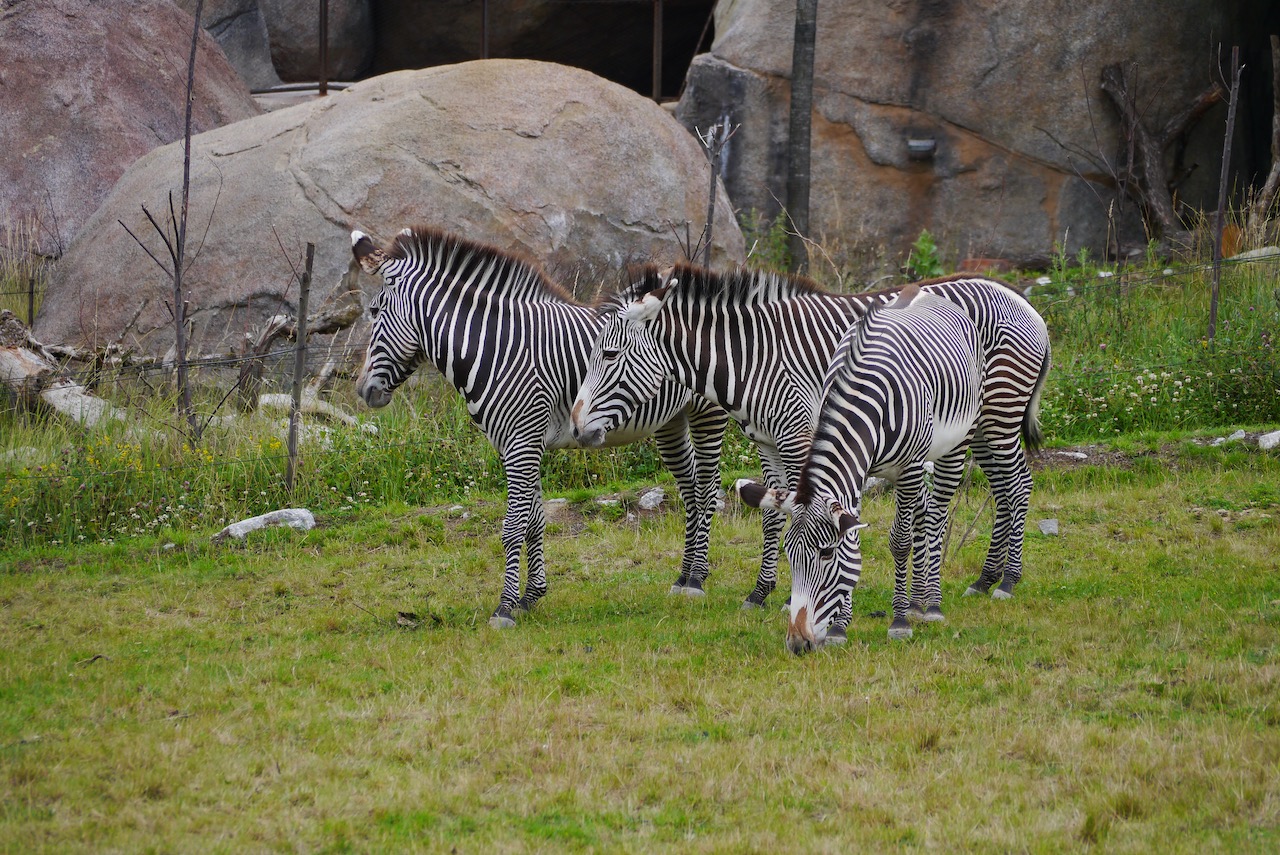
column 1005, row 91
column 85, row 89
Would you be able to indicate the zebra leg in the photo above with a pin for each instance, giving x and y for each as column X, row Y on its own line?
column 919, row 559
column 523, row 468
column 1011, row 483
column 771, row 524
column 535, row 587
column 707, row 425
column 1004, row 465
column 948, row 471
column 901, row 538
column 676, row 451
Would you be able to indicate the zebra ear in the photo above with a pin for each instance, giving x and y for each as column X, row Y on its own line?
column 647, row 307
column 759, row 496
column 370, row 257
column 844, row 521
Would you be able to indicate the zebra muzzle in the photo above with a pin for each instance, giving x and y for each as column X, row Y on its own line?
column 800, row 635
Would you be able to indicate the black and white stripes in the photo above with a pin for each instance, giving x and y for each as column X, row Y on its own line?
column 516, row 347
column 759, row 344
column 904, row 387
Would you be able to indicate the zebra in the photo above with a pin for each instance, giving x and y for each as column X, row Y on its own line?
column 904, row 387
column 516, row 346
column 759, row 344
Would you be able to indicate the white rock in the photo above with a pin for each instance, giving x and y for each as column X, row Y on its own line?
column 1049, row 527
column 651, row 499
column 1074, row 455
column 1269, row 440
column 1260, row 252
column 1044, row 280
column 299, row 518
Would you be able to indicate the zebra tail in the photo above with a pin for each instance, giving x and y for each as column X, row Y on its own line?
column 1032, row 434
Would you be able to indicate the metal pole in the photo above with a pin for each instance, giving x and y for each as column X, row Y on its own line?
column 657, row 50
column 299, row 368
column 1222, row 193
column 324, row 47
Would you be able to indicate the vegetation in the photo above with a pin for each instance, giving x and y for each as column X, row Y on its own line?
column 340, row 691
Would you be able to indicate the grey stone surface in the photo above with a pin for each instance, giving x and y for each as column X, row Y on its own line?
column 1007, row 90
column 86, row 88
column 540, row 159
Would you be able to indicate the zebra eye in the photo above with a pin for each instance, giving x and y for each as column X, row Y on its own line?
column 826, row 553
column 373, row 311
column 609, row 354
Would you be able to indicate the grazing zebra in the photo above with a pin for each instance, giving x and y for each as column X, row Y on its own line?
column 904, row 386
column 516, row 346
column 759, row 344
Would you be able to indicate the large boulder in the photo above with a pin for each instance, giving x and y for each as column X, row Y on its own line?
column 1006, row 92
column 241, row 31
column 86, row 88
column 538, row 158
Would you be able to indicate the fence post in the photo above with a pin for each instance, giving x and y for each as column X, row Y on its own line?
column 299, row 368
column 1222, row 194
column 31, row 302
column 324, row 47
column 657, row 51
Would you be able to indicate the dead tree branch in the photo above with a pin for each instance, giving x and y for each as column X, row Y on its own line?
column 1147, row 178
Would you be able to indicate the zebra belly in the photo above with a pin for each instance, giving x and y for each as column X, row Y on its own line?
column 947, row 436
column 560, row 435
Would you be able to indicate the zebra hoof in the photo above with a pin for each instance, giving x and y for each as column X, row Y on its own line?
column 933, row 614
column 836, row 635
column 899, row 628
column 502, row 619
column 915, row 609
column 976, row 590
column 1001, row 594
column 749, row 606
column 692, row 592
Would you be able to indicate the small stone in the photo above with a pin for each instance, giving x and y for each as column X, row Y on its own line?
column 1074, row 455
column 298, row 518
column 1049, row 527
column 1269, row 441
column 169, row 547
column 1237, row 436
column 651, row 499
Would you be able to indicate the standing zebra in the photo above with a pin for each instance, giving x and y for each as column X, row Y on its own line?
column 516, row 347
column 904, row 387
column 759, row 344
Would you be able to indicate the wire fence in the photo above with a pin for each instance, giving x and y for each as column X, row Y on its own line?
column 120, row 372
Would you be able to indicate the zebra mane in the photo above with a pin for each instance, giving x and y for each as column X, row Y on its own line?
column 738, row 285
column 420, row 241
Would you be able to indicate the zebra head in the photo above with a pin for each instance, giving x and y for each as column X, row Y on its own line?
column 625, row 368
column 394, row 350
column 825, row 553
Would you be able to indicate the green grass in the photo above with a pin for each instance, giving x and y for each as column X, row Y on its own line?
column 183, row 697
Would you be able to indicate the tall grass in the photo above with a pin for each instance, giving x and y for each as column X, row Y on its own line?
column 22, row 270
column 1130, row 355
column 65, row 485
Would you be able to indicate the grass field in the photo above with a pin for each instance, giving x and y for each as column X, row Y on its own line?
column 166, row 694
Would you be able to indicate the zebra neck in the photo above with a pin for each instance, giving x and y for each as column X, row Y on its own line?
column 722, row 346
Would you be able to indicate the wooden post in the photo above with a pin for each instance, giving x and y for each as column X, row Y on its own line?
column 484, row 29
column 299, row 368
column 798, row 134
column 31, row 301
column 657, row 50
column 1222, row 192
column 324, row 47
